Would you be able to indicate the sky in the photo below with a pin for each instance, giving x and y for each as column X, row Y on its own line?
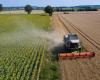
column 49, row 2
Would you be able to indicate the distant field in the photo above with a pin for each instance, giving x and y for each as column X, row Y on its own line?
column 22, row 12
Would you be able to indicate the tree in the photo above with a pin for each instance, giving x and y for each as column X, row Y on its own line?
column 49, row 10
column 1, row 7
column 28, row 9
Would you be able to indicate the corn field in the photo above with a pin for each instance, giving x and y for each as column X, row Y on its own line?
column 21, row 62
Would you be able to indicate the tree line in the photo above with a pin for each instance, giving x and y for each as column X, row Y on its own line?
column 76, row 9
column 48, row 9
column 28, row 8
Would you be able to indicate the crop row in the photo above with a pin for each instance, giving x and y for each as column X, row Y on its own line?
column 21, row 62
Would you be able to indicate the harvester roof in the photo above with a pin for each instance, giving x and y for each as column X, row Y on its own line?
column 73, row 38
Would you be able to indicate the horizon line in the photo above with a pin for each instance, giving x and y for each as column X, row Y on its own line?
column 54, row 6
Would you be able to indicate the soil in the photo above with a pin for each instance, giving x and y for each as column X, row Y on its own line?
column 58, row 27
column 83, row 68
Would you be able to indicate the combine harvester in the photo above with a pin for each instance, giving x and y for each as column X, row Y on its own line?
column 73, row 48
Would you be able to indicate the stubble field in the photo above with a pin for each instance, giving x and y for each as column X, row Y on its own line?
column 87, row 26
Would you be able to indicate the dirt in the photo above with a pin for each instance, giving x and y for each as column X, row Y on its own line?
column 85, row 68
column 58, row 27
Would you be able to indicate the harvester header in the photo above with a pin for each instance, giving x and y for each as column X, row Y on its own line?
column 76, row 55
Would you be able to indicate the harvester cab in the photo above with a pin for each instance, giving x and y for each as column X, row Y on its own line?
column 73, row 48
column 72, row 42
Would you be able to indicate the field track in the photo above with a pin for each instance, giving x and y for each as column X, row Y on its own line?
column 79, row 69
column 84, row 35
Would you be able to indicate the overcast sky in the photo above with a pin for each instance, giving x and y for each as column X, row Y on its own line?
column 49, row 2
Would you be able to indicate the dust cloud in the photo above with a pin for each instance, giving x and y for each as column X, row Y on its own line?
column 27, row 32
column 30, row 35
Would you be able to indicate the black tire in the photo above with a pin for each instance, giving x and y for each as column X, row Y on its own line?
column 65, row 48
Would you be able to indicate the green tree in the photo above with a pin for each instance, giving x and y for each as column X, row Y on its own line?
column 1, row 7
column 49, row 10
column 28, row 9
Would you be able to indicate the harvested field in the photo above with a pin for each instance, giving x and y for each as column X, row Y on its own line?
column 21, row 12
column 87, row 27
